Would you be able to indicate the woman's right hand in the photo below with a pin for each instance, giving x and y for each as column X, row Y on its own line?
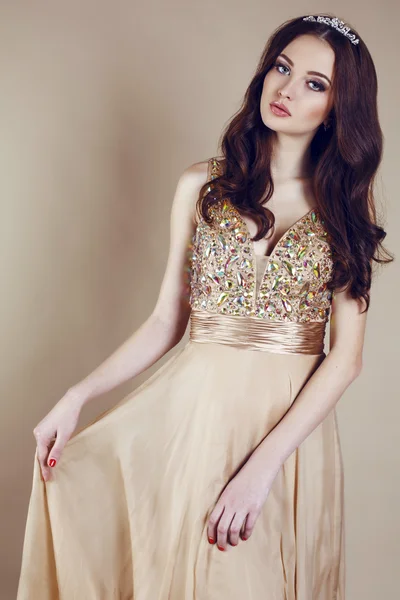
column 54, row 431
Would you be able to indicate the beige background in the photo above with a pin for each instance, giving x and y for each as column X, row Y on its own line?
column 102, row 106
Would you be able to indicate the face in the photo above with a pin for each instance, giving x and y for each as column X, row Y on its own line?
column 308, row 96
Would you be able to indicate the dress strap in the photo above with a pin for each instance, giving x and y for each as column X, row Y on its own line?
column 209, row 169
column 214, row 168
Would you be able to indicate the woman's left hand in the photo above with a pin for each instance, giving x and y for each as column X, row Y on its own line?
column 243, row 497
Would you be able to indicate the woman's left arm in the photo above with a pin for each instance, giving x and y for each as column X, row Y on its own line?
column 247, row 491
column 325, row 387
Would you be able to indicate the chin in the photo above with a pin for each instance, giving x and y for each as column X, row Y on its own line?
column 270, row 124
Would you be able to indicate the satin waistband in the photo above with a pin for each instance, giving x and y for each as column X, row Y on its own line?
column 253, row 333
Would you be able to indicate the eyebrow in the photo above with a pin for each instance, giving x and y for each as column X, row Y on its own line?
column 291, row 63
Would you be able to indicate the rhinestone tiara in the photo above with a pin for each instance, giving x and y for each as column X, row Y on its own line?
column 339, row 25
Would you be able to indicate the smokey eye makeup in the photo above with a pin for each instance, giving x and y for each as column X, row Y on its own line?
column 320, row 87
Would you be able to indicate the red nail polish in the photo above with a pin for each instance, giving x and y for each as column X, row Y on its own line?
column 219, row 547
column 244, row 538
column 211, row 540
column 52, row 462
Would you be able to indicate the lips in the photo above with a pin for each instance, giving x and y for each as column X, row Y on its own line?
column 282, row 107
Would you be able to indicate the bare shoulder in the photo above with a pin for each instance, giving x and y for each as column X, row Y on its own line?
column 195, row 175
column 189, row 185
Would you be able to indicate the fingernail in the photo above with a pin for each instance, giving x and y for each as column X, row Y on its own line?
column 219, row 547
column 211, row 540
column 52, row 462
column 244, row 538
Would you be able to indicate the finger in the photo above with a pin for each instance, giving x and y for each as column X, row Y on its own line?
column 250, row 522
column 222, row 529
column 243, row 527
column 42, row 454
column 213, row 522
column 235, row 528
column 56, row 450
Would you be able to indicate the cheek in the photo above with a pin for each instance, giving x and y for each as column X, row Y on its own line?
column 270, row 83
column 317, row 111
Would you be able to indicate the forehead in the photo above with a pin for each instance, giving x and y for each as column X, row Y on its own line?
column 309, row 53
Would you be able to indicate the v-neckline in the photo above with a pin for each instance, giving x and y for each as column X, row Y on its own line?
column 251, row 243
column 268, row 257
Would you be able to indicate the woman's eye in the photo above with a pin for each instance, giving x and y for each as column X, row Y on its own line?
column 320, row 86
column 278, row 65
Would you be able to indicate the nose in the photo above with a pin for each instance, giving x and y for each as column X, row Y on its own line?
column 283, row 93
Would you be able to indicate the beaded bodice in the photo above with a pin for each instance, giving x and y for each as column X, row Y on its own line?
column 293, row 284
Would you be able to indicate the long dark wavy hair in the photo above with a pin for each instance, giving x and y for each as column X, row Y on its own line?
column 344, row 159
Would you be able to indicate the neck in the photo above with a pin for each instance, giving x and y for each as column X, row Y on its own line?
column 291, row 158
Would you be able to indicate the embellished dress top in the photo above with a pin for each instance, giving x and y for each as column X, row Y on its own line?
column 284, row 298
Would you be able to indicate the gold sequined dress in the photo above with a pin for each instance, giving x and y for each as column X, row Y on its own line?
column 125, row 516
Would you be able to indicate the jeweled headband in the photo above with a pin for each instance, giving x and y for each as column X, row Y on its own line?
column 339, row 25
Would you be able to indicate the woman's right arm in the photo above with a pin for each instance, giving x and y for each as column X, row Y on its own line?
column 167, row 323
column 154, row 338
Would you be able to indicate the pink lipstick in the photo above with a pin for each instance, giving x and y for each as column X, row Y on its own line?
column 279, row 109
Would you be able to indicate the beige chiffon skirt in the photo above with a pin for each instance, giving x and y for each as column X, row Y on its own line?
column 125, row 515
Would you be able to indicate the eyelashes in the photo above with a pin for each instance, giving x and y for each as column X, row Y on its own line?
column 320, row 86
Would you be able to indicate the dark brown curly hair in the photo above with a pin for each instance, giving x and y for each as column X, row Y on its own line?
column 344, row 159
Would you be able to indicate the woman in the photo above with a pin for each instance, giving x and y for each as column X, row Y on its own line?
column 221, row 476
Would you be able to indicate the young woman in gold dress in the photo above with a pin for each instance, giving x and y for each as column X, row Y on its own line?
column 221, row 476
